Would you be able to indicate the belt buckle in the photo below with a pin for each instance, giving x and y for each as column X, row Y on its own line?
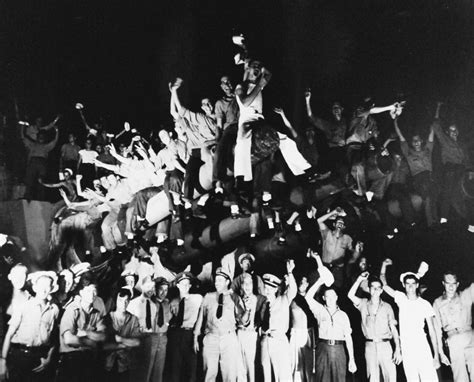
column 332, row 342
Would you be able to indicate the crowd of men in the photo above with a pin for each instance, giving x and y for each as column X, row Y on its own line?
column 135, row 315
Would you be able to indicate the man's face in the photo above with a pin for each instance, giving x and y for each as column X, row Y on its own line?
column 340, row 225
column 246, row 265
column 148, row 287
column 410, row 287
column 310, row 134
column 99, row 149
column 416, row 142
column 270, row 291
column 453, row 132
column 88, row 144
column 71, row 138
column 375, row 289
column 337, row 111
column 161, row 291
column 104, row 182
column 130, row 281
column 206, row 106
column 363, row 264
column 184, row 286
column 18, row 277
column 41, row 137
column 112, row 179
column 226, row 86
column 221, row 283
column 88, row 294
column 43, row 287
column 451, row 285
column 247, row 285
column 330, row 297
column 303, row 285
column 164, row 137
column 254, row 71
column 122, row 303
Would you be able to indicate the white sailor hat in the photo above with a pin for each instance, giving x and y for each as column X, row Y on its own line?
column 33, row 277
column 69, row 171
column 221, row 272
column 271, row 280
column 248, row 256
column 422, row 269
column 183, row 276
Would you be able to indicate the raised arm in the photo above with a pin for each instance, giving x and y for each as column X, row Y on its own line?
column 247, row 99
column 382, row 109
column 52, row 124
column 398, row 131
column 51, row 145
column 292, row 288
column 383, row 270
column 322, row 219
column 287, row 123
column 352, row 292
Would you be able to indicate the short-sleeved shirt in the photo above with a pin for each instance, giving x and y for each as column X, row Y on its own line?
column 418, row 161
column 455, row 313
column 334, row 248
column 376, row 325
column 38, row 150
column 75, row 319
column 198, row 128
column 335, row 131
column 362, row 129
column 412, row 316
column 451, row 151
column 280, row 313
column 137, row 307
column 192, row 303
column 88, row 156
column 36, row 323
column 70, row 152
column 331, row 327
column 227, row 109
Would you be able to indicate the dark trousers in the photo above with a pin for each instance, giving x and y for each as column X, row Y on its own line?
column 451, row 193
column 399, row 191
column 223, row 157
column 78, row 366
column 426, row 188
column 36, row 169
column 173, row 182
column 191, row 177
column 181, row 356
column 87, row 170
column 22, row 361
column 331, row 363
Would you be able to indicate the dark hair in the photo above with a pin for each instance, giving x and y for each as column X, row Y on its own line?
column 450, row 272
column 85, row 280
column 125, row 292
column 410, row 277
column 374, row 279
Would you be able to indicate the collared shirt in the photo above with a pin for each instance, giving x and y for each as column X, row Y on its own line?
column 451, row 151
column 412, row 315
column 228, row 110
column 231, row 314
column 258, row 286
column 455, row 313
column 334, row 248
column 35, row 323
column 199, row 128
column 418, row 161
column 192, row 303
column 250, row 304
column 280, row 309
column 39, row 150
column 75, row 319
column 334, row 326
column 70, row 152
column 335, row 131
column 362, row 129
column 168, row 156
column 137, row 307
column 376, row 324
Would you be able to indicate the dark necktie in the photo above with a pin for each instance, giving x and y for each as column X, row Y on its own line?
column 266, row 317
column 148, row 314
column 161, row 318
column 220, row 306
column 180, row 317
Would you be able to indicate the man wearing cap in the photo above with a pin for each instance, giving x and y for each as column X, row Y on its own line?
column 336, row 244
column 454, row 316
column 334, row 330
column 220, row 313
column 418, row 361
column 27, row 347
column 153, row 311
column 275, row 322
column 246, row 261
column 81, row 332
column 185, row 310
column 379, row 328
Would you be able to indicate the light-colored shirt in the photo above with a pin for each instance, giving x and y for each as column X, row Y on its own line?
column 334, row 248
column 192, row 303
column 376, row 320
column 334, row 326
column 88, row 156
column 75, row 319
column 412, row 316
column 253, row 111
column 280, row 309
column 35, row 323
column 227, row 109
column 455, row 313
column 250, row 303
column 137, row 307
column 198, row 127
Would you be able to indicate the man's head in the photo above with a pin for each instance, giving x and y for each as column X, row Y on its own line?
column 411, row 284
column 271, row 285
column 88, row 144
column 340, row 223
column 43, row 284
column 247, row 284
column 161, row 286
column 310, row 133
column 226, row 86
column 67, row 173
column 337, row 110
column 453, row 132
column 71, row 138
column 303, row 285
column 164, row 137
column 221, row 281
column 254, row 70
column 39, row 121
column 104, row 182
column 112, row 179
column 246, row 261
column 207, row 107
column 375, row 287
column 416, row 142
column 123, row 298
column 184, row 282
column 148, row 287
column 130, row 280
column 450, row 284
column 99, row 148
column 398, row 159
column 41, row 137
column 17, row 276
column 330, row 297
column 363, row 265
column 87, row 291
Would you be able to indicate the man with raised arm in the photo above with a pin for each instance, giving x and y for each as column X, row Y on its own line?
column 335, row 245
column 379, row 328
column 454, row 315
column 418, row 361
column 334, row 330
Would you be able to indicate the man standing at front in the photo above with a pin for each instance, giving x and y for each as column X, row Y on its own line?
column 454, row 315
column 220, row 312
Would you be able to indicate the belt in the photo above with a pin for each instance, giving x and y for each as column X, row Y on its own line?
column 332, row 342
column 454, row 331
column 377, row 340
column 27, row 349
column 273, row 334
column 334, row 264
column 247, row 329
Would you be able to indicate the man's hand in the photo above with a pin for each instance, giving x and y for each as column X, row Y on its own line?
column 444, row 358
column 352, row 367
column 173, row 86
column 112, row 149
column 290, row 265
column 359, row 247
column 126, row 126
column 397, row 356
column 363, row 276
column 43, row 365
column 279, row 111
column 387, row 262
column 196, row 344
column 3, row 370
column 307, row 94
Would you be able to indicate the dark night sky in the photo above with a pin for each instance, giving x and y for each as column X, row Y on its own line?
column 116, row 57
